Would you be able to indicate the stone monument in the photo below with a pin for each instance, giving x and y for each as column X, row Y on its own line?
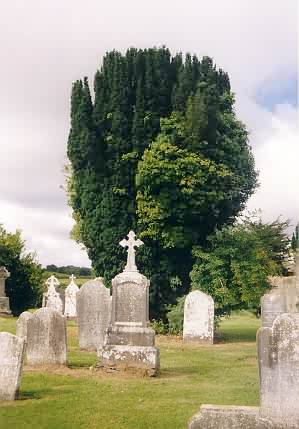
column 46, row 338
column 4, row 300
column 52, row 298
column 198, row 317
column 70, row 308
column 130, row 343
column 12, row 352
column 93, row 314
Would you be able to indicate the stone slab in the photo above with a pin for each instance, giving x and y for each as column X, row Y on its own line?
column 12, row 352
column 46, row 338
column 229, row 417
column 22, row 323
column 124, row 357
column 198, row 317
column 130, row 335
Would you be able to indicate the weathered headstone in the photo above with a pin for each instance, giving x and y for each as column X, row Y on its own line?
column 4, row 300
column 22, row 323
column 278, row 350
column 93, row 314
column 283, row 298
column 12, row 351
column 198, row 317
column 52, row 298
column 70, row 308
column 46, row 338
column 129, row 341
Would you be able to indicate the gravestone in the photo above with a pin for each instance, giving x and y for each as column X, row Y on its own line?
column 22, row 323
column 198, row 317
column 93, row 314
column 46, row 338
column 278, row 350
column 12, row 351
column 70, row 308
column 4, row 300
column 283, row 298
column 129, row 342
column 52, row 298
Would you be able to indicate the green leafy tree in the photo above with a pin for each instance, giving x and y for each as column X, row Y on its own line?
column 144, row 102
column 24, row 286
column 234, row 269
column 295, row 239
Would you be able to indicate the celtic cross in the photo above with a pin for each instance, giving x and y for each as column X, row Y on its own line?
column 131, row 243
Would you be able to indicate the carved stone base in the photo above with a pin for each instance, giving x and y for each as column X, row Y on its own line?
column 145, row 360
column 4, row 306
column 229, row 417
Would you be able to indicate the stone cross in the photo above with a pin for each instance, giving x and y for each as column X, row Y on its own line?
column 72, row 278
column 51, row 282
column 130, row 244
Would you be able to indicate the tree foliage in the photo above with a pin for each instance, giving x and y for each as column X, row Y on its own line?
column 234, row 269
column 155, row 115
column 24, row 286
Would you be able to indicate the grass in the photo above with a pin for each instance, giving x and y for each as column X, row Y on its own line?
column 77, row 397
column 64, row 279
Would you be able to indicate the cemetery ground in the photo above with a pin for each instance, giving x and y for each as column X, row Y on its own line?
column 79, row 397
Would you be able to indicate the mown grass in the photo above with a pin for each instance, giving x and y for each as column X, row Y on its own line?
column 78, row 397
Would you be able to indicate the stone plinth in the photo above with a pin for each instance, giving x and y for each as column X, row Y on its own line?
column 12, row 352
column 198, row 317
column 4, row 300
column 46, row 338
column 229, row 417
column 130, row 343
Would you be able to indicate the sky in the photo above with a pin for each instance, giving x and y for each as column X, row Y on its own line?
column 46, row 45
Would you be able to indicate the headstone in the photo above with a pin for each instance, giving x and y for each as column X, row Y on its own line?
column 198, row 317
column 93, row 314
column 283, row 298
column 278, row 350
column 22, row 323
column 4, row 300
column 12, row 351
column 52, row 298
column 46, row 338
column 70, row 308
column 130, row 343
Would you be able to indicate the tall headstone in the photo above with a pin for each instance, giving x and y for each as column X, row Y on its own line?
column 4, row 300
column 93, row 314
column 52, row 298
column 12, row 352
column 130, row 343
column 198, row 317
column 22, row 323
column 70, row 308
column 278, row 350
column 46, row 338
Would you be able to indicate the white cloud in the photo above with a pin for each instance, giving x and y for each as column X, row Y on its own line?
column 47, row 45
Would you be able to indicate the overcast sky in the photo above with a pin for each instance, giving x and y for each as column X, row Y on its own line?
column 46, row 45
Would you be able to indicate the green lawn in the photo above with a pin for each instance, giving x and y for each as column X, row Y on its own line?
column 77, row 397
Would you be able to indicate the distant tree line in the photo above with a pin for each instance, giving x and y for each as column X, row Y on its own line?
column 70, row 269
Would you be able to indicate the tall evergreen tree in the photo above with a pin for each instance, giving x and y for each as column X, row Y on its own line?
column 110, row 137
